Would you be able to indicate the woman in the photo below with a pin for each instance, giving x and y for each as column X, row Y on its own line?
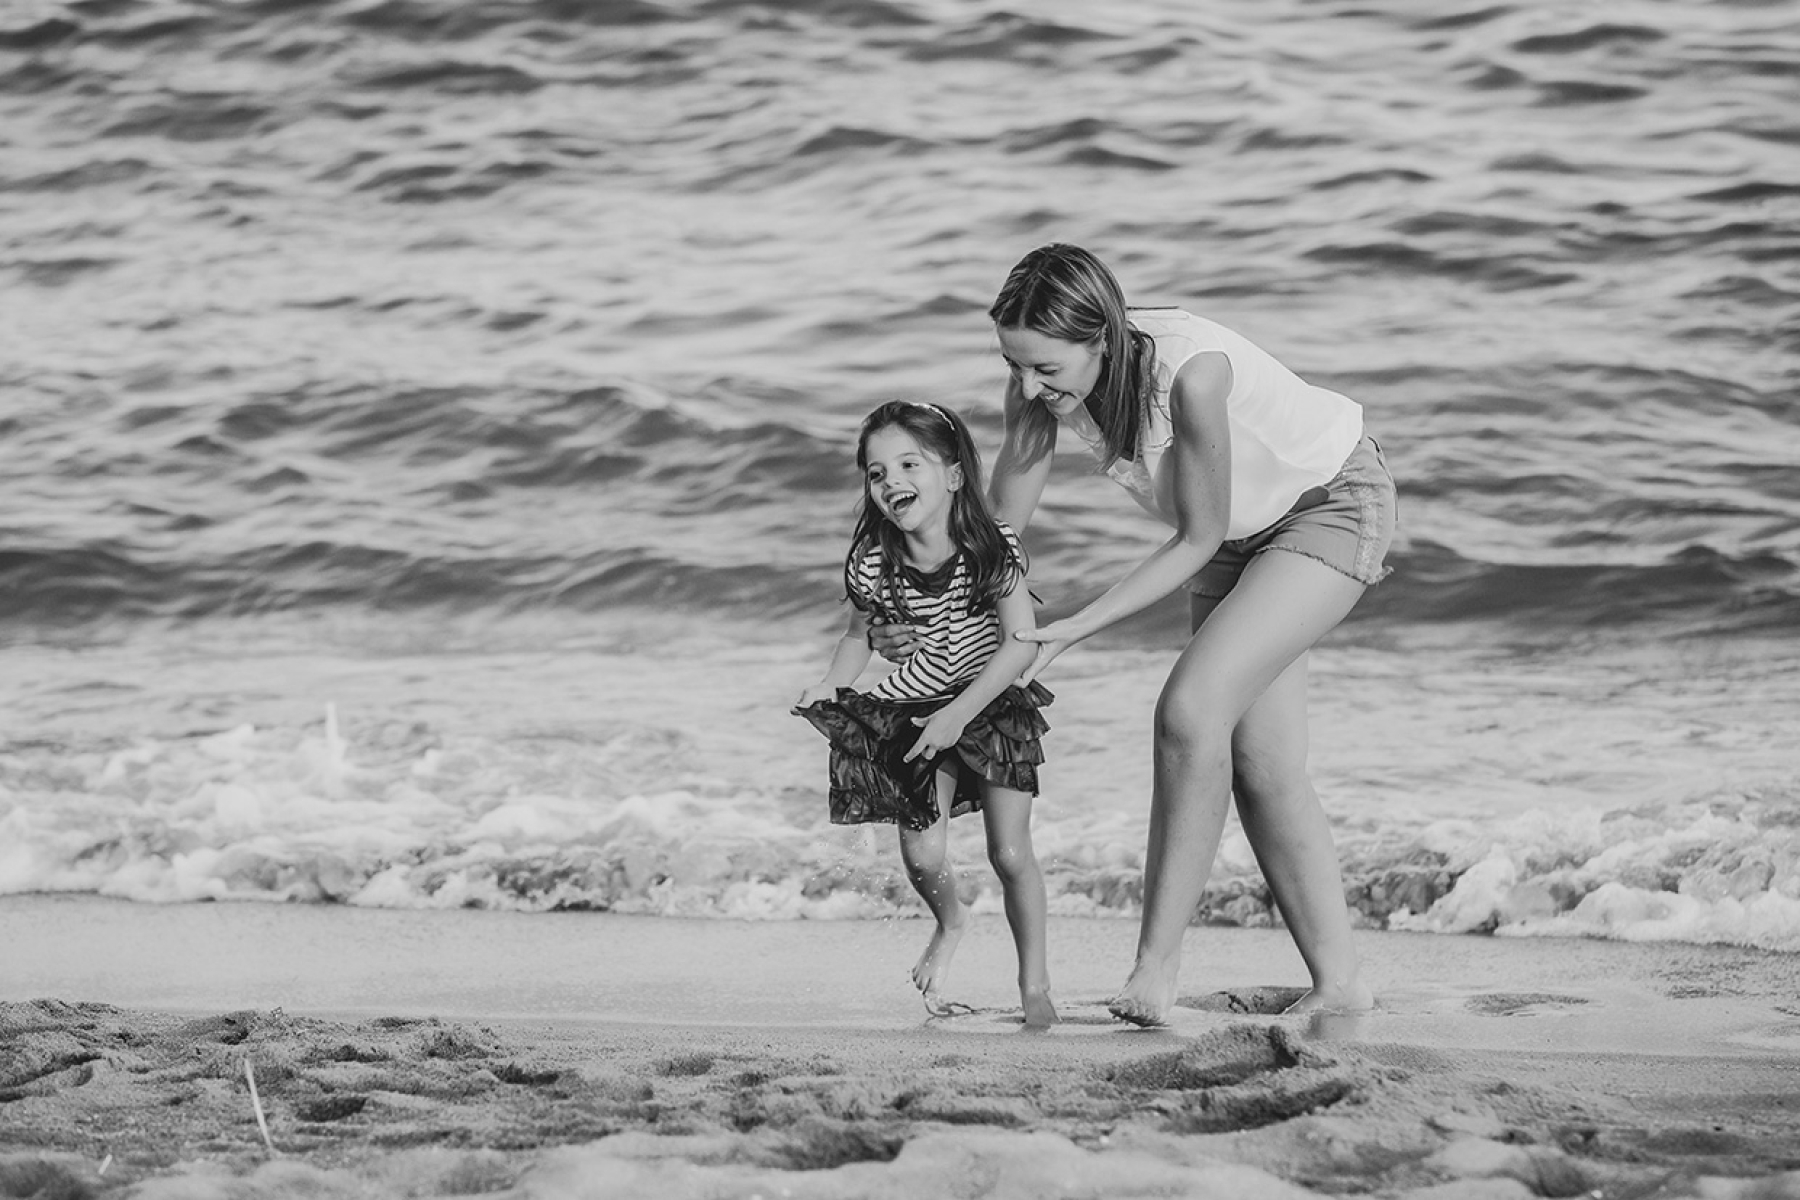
column 1281, row 511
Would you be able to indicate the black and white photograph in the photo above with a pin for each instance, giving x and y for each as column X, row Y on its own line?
column 856, row 599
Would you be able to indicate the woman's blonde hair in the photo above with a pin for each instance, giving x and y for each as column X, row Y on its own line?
column 1065, row 292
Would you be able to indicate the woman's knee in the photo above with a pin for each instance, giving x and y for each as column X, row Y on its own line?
column 1260, row 778
column 1187, row 728
column 1269, row 747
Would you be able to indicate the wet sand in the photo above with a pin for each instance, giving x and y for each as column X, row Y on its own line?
column 587, row 1055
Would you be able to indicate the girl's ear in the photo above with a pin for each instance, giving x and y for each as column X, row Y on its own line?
column 956, row 476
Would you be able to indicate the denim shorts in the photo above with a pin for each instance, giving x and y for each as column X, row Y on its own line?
column 1347, row 524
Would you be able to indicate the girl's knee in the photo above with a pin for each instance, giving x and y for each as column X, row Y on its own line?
column 1011, row 862
column 922, row 865
column 922, row 849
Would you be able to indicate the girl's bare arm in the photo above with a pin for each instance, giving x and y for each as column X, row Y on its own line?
column 849, row 658
column 945, row 727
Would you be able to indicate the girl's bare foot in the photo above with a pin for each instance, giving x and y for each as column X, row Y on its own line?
column 1148, row 995
column 937, row 1006
column 933, row 967
column 1337, row 997
column 1040, row 1011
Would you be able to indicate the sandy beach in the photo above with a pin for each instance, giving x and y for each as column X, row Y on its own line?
column 430, row 454
column 586, row 1055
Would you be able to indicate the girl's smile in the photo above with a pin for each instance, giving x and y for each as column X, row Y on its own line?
column 910, row 485
column 896, row 502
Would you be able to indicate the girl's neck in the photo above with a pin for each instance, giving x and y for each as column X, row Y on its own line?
column 929, row 549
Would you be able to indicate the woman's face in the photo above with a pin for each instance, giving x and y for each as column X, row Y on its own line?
column 1057, row 374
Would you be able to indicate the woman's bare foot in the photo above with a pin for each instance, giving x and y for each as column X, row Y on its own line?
column 1040, row 1011
column 1351, row 996
column 933, row 967
column 1148, row 995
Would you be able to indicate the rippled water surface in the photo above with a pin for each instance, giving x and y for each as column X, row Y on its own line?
column 486, row 371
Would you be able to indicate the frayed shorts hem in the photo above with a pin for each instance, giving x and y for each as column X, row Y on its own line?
column 1348, row 525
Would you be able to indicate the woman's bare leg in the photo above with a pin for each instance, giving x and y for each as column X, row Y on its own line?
column 1291, row 836
column 1281, row 605
column 926, row 855
column 1007, row 816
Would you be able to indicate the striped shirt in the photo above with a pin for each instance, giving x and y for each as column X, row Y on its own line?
column 955, row 642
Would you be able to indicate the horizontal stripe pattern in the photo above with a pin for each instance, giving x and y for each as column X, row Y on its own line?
column 955, row 641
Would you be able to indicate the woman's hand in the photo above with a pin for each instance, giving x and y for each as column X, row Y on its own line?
column 1052, row 640
column 893, row 641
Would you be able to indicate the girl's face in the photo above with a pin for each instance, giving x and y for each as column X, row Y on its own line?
column 1057, row 374
column 909, row 484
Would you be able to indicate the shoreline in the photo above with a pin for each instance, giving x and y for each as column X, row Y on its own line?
column 797, row 1066
column 347, row 962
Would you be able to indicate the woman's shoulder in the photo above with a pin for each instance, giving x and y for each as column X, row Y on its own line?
column 1177, row 328
column 1178, row 337
column 1177, row 333
column 1161, row 320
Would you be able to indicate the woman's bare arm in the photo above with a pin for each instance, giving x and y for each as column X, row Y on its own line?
column 1200, row 497
column 1023, row 465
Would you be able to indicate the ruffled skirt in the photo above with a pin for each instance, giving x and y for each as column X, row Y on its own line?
column 872, row 782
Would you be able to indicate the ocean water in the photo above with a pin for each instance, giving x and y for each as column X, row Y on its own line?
column 426, row 435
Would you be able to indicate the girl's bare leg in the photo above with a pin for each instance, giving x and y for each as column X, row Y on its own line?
column 1007, row 816
column 1283, row 603
column 1291, row 836
column 926, row 855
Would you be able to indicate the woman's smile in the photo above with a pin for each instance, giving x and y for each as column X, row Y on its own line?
column 1055, row 373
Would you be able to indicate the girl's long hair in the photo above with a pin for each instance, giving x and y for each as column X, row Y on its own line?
column 1065, row 292
column 994, row 568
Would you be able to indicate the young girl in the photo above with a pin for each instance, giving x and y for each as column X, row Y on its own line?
column 949, row 731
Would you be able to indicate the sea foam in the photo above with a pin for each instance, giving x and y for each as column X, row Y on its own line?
column 307, row 815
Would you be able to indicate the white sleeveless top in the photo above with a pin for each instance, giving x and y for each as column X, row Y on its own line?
column 1286, row 434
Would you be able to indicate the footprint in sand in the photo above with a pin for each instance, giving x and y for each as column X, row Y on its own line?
column 1522, row 1004
column 1254, row 1001
column 954, row 1014
column 1083, row 1014
column 1086, row 1013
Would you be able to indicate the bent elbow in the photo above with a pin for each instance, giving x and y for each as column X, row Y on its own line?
column 1197, row 547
